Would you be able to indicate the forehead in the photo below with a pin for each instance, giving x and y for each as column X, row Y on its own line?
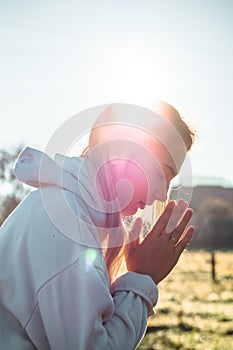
column 164, row 142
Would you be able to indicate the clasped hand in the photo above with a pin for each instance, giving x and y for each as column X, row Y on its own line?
column 159, row 252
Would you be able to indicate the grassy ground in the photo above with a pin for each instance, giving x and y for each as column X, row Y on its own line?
column 194, row 313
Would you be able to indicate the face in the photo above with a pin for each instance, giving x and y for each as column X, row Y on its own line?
column 137, row 178
column 150, row 178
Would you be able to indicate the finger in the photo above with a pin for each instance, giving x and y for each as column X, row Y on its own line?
column 164, row 218
column 182, row 244
column 176, row 216
column 183, row 224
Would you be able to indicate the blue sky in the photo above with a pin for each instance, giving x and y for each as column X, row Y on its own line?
column 60, row 57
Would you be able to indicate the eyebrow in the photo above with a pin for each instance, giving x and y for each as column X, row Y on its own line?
column 174, row 173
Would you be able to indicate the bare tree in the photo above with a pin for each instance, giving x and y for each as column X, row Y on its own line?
column 12, row 191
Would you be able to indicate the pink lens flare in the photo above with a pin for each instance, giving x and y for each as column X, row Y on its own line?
column 101, row 190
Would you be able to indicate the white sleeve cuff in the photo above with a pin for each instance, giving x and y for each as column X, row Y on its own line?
column 140, row 284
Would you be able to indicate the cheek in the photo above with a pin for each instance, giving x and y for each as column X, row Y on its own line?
column 139, row 181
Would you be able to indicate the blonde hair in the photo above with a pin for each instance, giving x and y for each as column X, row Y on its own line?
column 114, row 256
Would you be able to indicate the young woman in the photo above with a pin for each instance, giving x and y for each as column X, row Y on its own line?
column 61, row 249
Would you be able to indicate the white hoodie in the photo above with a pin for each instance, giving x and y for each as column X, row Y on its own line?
column 54, row 287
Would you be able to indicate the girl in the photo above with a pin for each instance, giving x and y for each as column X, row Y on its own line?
column 61, row 249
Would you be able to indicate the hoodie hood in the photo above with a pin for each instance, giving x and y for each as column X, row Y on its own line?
column 37, row 169
column 75, row 175
column 78, row 203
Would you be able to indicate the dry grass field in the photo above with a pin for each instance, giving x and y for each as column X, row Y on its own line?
column 193, row 312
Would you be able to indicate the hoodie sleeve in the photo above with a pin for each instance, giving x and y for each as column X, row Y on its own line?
column 79, row 312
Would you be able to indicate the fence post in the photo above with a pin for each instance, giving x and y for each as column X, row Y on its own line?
column 213, row 263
